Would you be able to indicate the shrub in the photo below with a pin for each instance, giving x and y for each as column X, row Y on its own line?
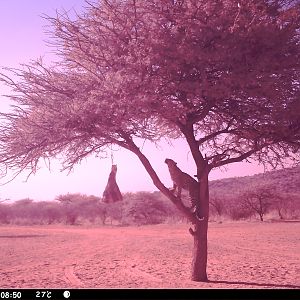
column 143, row 208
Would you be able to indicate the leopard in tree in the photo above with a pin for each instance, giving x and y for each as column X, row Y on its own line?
column 184, row 181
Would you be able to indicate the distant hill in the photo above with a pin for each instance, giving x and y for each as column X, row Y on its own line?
column 286, row 180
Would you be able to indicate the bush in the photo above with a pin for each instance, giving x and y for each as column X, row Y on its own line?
column 143, row 208
column 239, row 212
column 5, row 212
column 136, row 209
column 78, row 206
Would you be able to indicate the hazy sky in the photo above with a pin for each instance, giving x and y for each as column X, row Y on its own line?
column 22, row 39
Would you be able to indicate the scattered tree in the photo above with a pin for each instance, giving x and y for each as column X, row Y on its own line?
column 77, row 206
column 217, row 204
column 143, row 208
column 238, row 211
column 287, row 205
column 4, row 213
column 258, row 200
column 223, row 75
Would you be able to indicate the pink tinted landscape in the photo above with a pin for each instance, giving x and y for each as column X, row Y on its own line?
column 241, row 255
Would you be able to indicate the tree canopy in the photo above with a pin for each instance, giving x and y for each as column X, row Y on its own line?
column 223, row 74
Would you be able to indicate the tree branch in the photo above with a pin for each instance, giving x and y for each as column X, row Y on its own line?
column 233, row 160
column 188, row 132
column 215, row 134
column 131, row 146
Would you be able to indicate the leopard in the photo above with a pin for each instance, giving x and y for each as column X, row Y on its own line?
column 182, row 180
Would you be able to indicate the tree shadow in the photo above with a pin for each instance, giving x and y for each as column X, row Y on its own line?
column 272, row 285
column 21, row 236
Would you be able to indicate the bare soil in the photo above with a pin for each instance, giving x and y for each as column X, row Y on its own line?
column 241, row 255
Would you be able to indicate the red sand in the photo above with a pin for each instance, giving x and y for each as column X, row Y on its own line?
column 241, row 255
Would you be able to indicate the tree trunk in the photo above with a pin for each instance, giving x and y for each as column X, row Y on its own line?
column 199, row 262
column 280, row 213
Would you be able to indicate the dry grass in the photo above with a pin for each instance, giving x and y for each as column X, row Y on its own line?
column 241, row 255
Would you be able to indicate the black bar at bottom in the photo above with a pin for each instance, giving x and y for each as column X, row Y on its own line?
column 149, row 294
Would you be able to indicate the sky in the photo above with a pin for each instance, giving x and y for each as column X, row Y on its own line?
column 23, row 38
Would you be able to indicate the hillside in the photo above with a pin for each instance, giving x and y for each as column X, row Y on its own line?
column 285, row 180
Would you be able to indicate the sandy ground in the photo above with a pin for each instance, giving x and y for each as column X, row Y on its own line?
column 241, row 255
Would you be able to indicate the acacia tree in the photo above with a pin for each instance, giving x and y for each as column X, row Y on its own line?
column 286, row 204
column 217, row 203
column 258, row 200
column 222, row 74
